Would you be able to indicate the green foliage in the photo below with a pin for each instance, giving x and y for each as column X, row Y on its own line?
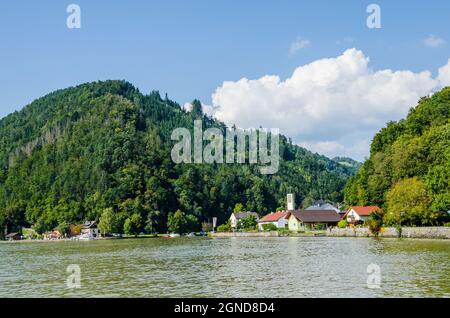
column 63, row 228
column 192, row 224
column 374, row 226
column 226, row 227
column 72, row 154
column 249, row 223
column 342, row 224
column 181, row 223
column 375, row 222
column 320, row 227
column 207, row 227
column 239, row 207
column 176, row 222
column 133, row 225
column 348, row 162
column 416, row 149
column 151, row 224
column 106, row 222
column 269, row 227
column 40, row 226
column 408, row 203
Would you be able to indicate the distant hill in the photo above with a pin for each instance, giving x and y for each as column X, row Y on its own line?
column 348, row 162
column 408, row 172
column 103, row 148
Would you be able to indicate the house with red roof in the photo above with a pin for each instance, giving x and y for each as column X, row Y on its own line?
column 358, row 214
column 279, row 219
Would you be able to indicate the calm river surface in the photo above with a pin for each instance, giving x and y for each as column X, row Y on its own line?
column 227, row 267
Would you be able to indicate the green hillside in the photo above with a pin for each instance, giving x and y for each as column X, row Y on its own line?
column 408, row 172
column 104, row 148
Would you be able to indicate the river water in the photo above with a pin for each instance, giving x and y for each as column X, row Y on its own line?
column 228, row 267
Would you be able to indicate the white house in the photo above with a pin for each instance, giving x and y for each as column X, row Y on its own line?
column 279, row 219
column 236, row 216
column 358, row 214
column 90, row 229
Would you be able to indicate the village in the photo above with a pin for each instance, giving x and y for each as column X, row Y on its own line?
column 315, row 219
column 84, row 232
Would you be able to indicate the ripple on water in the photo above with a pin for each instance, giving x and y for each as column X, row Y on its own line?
column 232, row 267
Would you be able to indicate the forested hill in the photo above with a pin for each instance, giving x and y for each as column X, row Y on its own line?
column 104, row 148
column 408, row 172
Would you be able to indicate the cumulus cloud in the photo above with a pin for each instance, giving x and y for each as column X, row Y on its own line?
column 444, row 75
column 433, row 41
column 333, row 106
column 327, row 148
column 207, row 109
column 297, row 45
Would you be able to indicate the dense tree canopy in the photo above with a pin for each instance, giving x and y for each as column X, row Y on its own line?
column 408, row 172
column 101, row 151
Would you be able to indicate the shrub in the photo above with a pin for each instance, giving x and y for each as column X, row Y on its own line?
column 374, row 226
column 283, row 231
column 181, row 223
column 398, row 229
column 133, row 224
column 63, row 228
column 207, row 227
column 342, row 224
column 320, row 227
column 250, row 223
column 269, row 227
column 75, row 229
column 224, row 227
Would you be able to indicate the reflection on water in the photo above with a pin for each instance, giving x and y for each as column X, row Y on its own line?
column 232, row 267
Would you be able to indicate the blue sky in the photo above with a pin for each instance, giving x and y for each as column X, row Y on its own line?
column 189, row 48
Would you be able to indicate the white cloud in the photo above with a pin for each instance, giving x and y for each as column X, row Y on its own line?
column 187, row 107
column 333, row 106
column 433, row 41
column 444, row 74
column 357, row 150
column 207, row 109
column 298, row 45
column 328, row 148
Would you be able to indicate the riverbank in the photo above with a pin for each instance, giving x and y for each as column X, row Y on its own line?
column 124, row 237
column 434, row 232
column 388, row 232
column 266, row 234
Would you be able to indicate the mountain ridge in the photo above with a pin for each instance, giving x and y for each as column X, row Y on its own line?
column 76, row 152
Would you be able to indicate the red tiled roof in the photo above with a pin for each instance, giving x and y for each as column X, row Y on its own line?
column 273, row 217
column 364, row 210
